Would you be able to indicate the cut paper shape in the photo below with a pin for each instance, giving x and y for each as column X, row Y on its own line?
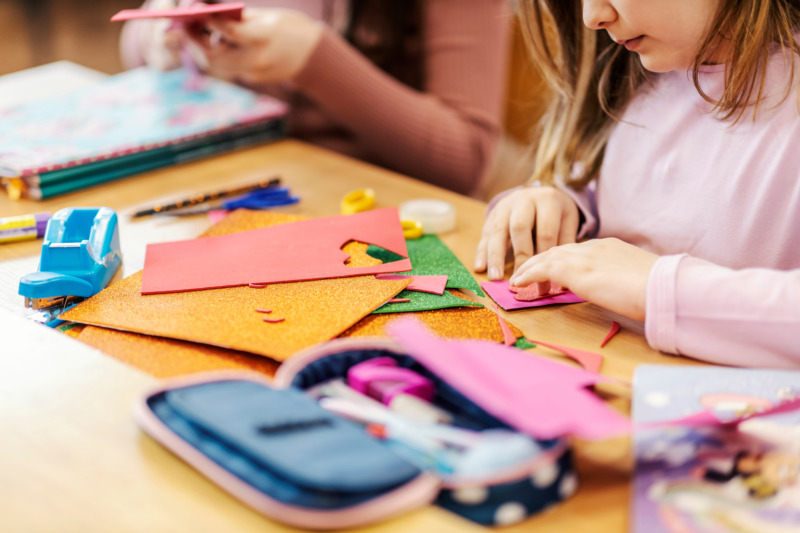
column 454, row 323
column 318, row 310
column 542, row 398
column 500, row 293
column 422, row 301
column 399, row 300
column 531, row 292
column 589, row 360
column 263, row 310
column 301, row 251
column 430, row 257
column 166, row 358
column 613, row 331
column 708, row 418
column 509, row 339
column 232, row 10
column 273, row 320
column 430, row 284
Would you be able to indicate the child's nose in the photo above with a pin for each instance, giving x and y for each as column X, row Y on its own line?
column 598, row 14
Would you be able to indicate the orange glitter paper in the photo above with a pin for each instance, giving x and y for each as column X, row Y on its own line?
column 315, row 311
column 166, row 358
column 457, row 323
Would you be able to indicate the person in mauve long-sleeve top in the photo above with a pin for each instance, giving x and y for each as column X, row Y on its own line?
column 416, row 87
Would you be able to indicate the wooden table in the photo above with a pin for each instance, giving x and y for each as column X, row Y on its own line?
column 71, row 457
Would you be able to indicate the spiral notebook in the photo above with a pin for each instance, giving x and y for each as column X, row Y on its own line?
column 715, row 477
column 125, row 124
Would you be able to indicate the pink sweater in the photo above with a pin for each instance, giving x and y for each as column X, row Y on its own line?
column 445, row 135
column 721, row 205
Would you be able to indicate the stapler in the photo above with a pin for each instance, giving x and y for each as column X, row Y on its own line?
column 80, row 255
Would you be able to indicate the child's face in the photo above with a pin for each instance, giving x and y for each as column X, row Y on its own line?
column 665, row 33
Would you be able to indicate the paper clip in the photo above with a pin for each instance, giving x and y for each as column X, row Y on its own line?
column 358, row 201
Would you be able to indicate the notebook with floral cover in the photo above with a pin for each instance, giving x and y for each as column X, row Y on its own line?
column 125, row 124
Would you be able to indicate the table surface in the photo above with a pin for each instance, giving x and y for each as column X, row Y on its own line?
column 71, row 457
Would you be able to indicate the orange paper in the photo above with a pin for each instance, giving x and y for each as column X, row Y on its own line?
column 314, row 311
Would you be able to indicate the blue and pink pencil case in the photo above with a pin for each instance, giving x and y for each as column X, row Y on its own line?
column 273, row 446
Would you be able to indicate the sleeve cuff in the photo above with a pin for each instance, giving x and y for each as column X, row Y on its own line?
column 661, row 307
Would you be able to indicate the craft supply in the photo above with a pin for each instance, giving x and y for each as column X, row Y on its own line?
column 80, row 255
column 128, row 123
column 615, row 327
column 412, row 229
column 23, row 228
column 505, row 298
column 358, row 201
column 231, row 10
column 536, row 291
column 436, row 216
column 207, row 197
column 260, row 198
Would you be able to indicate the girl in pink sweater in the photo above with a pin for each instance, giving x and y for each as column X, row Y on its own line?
column 672, row 146
column 415, row 86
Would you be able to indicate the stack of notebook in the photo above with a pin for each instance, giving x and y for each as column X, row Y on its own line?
column 125, row 124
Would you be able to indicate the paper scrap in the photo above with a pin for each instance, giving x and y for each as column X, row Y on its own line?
column 531, row 292
column 232, row 10
column 500, row 293
column 588, row 360
column 430, row 284
column 613, row 331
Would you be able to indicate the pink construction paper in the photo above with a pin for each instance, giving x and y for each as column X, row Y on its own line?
column 234, row 10
column 501, row 294
column 542, row 398
column 297, row 251
column 430, row 284
column 708, row 418
column 615, row 327
column 589, row 360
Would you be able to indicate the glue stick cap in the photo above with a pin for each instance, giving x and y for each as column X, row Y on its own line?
column 436, row 216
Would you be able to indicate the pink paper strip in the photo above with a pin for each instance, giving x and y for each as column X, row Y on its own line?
column 234, row 10
column 430, row 284
column 508, row 336
column 501, row 294
column 613, row 331
column 297, row 251
column 542, row 398
column 708, row 418
column 588, row 360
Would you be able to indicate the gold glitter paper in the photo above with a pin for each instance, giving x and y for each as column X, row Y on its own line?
column 314, row 311
column 166, row 358
column 456, row 322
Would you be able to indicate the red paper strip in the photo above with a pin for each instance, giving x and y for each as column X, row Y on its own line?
column 613, row 331
column 430, row 284
column 509, row 339
column 233, row 10
column 297, row 251
column 399, row 300
column 589, row 360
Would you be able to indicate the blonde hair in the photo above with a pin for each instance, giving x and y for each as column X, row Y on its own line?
column 593, row 78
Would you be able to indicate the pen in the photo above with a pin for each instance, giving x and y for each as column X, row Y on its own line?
column 207, row 197
column 25, row 227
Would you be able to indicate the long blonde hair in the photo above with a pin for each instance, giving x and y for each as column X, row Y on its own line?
column 593, row 79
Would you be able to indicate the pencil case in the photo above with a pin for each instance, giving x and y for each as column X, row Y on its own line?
column 274, row 447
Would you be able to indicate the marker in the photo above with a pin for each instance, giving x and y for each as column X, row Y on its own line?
column 23, row 228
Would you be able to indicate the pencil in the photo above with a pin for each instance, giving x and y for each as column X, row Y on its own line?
column 207, row 197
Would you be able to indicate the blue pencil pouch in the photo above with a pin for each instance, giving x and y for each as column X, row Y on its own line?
column 273, row 446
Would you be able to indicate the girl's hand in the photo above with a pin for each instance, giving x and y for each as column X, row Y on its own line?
column 266, row 46
column 544, row 212
column 608, row 272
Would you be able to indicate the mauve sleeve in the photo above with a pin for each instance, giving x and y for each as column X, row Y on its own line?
column 748, row 317
column 445, row 135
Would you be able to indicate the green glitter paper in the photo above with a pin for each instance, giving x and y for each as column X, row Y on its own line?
column 523, row 344
column 431, row 257
column 423, row 301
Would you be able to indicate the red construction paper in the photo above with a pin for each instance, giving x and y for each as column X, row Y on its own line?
column 589, row 360
column 430, row 284
column 613, row 331
column 233, row 10
column 540, row 397
column 298, row 251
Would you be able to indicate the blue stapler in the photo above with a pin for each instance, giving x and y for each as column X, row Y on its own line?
column 80, row 255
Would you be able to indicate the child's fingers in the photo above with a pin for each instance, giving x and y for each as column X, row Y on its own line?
column 520, row 227
column 496, row 246
column 568, row 233
column 548, row 225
